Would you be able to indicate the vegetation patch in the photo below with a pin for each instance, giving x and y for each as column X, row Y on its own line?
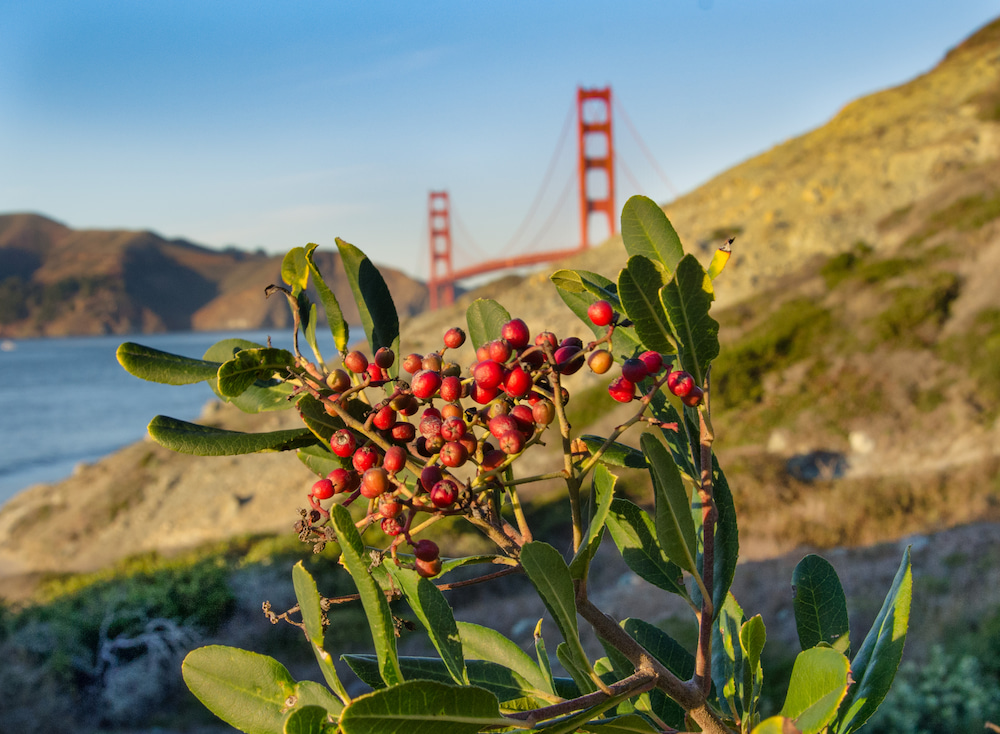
column 916, row 313
column 978, row 351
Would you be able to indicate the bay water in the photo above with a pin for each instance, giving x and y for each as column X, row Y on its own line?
column 67, row 401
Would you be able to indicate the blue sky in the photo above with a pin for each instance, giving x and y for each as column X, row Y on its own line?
column 275, row 124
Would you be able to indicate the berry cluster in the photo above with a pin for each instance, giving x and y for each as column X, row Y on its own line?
column 435, row 445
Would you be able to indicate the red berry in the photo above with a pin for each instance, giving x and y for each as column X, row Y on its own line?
column 525, row 419
column 516, row 333
column 413, row 363
column 426, row 550
column 600, row 313
column 600, row 361
column 375, row 482
column 454, row 338
column 493, row 459
column 680, row 383
column 403, row 432
column 323, row 489
column 470, row 443
column 432, row 362
column 488, row 374
column 430, row 424
column 543, row 412
column 453, row 454
column 546, row 337
column 365, row 458
column 429, row 476
column 634, row 370
column 384, row 418
column 356, row 362
column 511, row 442
column 653, row 361
column 428, row 569
column 451, row 389
column 425, row 383
column 451, row 410
column 388, row 507
column 453, row 429
column 394, row 459
column 384, row 357
column 444, row 493
column 501, row 424
column 499, row 350
column 483, row 395
column 517, row 383
column 343, row 480
column 622, row 390
column 483, row 353
column 533, row 357
column 338, row 381
column 693, row 398
column 342, row 443
column 391, row 526
column 569, row 359
column 572, row 341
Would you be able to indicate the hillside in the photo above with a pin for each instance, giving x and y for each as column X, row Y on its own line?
column 56, row 281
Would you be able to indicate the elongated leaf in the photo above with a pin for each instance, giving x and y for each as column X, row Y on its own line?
column 248, row 691
column 258, row 398
column 542, row 657
column 434, row 613
column 322, row 424
column 154, row 365
column 579, row 289
column 190, row 438
column 567, row 724
column 584, row 281
column 488, row 644
column 376, row 607
column 635, row 535
column 579, row 674
column 251, row 365
column 686, row 300
column 312, row 617
column 550, row 576
column 603, row 491
column 422, row 707
column 628, row 724
column 309, row 720
column 875, row 665
column 639, row 285
column 674, row 524
column 752, row 639
column 730, row 669
column 617, row 454
column 320, row 459
column 295, row 270
column 672, row 656
column 727, row 540
column 818, row 684
column 820, row 605
column 647, row 231
column 485, row 319
column 378, row 312
column 334, row 315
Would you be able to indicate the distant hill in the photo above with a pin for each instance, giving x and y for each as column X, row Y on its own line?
column 57, row 281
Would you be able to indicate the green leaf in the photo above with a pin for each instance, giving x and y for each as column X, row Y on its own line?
column 378, row 312
column 295, row 270
column 576, row 721
column 579, row 674
column 312, row 617
column 672, row 656
column 647, row 231
column 422, row 707
column 356, row 560
column 488, row 644
column 251, row 365
column 730, row 671
column 309, row 720
column 773, row 725
column 819, row 682
column 322, row 424
column 190, row 438
column 874, row 667
column 320, row 459
column 542, row 656
column 674, row 524
column 820, row 605
column 434, row 613
column 617, row 454
column 639, row 284
column 628, row 724
column 579, row 289
column 485, row 319
column 334, row 315
column 635, row 535
column 248, row 691
column 153, row 365
column 256, row 398
column 727, row 540
column 603, row 485
column 752, row 639
column 686, row 300
column 550, row 576
column 309, row 318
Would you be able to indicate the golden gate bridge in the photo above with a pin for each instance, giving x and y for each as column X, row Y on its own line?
column 595, row 176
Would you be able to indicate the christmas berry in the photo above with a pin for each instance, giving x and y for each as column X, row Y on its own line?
column 428, row 569
column 653, row 361
column 432, row 362
column 394, row 459
column 483, row 353
column 426, row 550
column 405, row 404
column 388, row 507
column 525, row 419
column 365, row 458
column 453, row 454
column 429, row 476
column 444, row 493
column 454, row 338
column 600, row 313
column 451, row 389
column 413, row 363
column 452, row 429
column 451, row 410
column 600, row 361
column 516, row 333
column 680, row 383
column 634, row 370
column 342, row 443
column 517, row 383
column 384, row 357
column 391, row 526
column 543, row 412
column 546, row 337
column 356, row 362
column 403, row 432
column 343, row 480
column 338, row 381
column 501, row 424
column 511, row 442
column 323, row 489
column 492, row 459
column 499, row 350
column 694, row 396
column 375, row 482
column 470, row 443
column 572, row 341
column 569, row 359
column 488, row 374
column 622, row 390
column 483, row 395
column 425, row 383
column 384, row 418
column 430, row 424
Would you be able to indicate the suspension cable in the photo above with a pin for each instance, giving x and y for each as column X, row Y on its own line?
column 642, row 145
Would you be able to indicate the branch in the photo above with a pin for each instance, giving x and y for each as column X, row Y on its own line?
column 639, row 682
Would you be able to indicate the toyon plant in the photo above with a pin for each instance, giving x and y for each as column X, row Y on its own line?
column 396, row 451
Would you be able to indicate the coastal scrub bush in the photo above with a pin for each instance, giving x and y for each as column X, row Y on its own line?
column 394, row 455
